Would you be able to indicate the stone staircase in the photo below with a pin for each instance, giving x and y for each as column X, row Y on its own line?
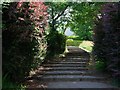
column 69, row 73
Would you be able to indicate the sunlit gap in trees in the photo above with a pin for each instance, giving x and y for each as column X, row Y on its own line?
column 66, row 19
column 68, row 32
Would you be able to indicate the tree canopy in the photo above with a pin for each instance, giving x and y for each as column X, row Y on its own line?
column 57, row 14
column 78, row 16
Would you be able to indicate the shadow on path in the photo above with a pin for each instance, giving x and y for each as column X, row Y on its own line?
column 69, row 73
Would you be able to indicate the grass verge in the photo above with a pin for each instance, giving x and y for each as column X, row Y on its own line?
column 86, row 45
column 71, row 42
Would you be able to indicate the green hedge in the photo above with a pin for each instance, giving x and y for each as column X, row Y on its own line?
column 56, row 43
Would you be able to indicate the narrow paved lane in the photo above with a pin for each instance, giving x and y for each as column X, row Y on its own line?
column 71, row 73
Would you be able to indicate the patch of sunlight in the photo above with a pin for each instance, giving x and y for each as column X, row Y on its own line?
column 86, row 45
column 66, row 50
column 61, row 55
column 71, row 42
column 89, row 0
column 43, row 86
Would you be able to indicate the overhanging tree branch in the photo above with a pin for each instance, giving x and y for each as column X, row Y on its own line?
column 61, row 13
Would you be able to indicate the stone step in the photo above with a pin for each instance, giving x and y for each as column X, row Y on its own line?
column 82, row 85
column 70, row 72
column 70, row 85
column 67, row 62
column 69, row 78
column 64, row 65
column 70, row 60
column 77, row 50
column 64, row 68
column 75, row 58
column 78, row 56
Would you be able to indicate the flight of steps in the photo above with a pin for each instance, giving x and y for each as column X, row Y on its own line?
column 69, row 73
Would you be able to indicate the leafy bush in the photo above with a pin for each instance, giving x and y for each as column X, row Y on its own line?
column 106, row 38
column 100, row 66
column 8, row 84
column 24, row 45
column 56, row 43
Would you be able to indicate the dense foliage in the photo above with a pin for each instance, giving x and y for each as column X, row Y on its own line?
column 78, row 17
column 107, row 38
column 24, row 45
column 57, row 15
column 56, row 39
column 82, row 19
column 56, row 43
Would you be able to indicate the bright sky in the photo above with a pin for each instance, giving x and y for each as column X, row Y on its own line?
column 68, row 32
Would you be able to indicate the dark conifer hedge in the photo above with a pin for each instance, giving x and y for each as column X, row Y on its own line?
column 107, row 38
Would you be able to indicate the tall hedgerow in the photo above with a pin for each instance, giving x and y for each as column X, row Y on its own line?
column 24, row 44
column 107, row 38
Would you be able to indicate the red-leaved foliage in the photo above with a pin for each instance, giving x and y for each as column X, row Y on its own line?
column 39, row 13
column 24, row 45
